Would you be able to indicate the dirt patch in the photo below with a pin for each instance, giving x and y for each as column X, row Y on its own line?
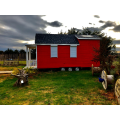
column 30, row 76
column 5, row 75
column 108, row 95
column 5, row 68
column 2, row 79
column 40, row 103
column 47, row 91
column 26, row 103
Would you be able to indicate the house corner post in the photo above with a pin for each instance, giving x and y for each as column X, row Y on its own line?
column 26, row 56
column 29, row 56
column 36, row 55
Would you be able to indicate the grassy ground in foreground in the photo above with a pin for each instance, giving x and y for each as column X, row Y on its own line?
column 10, row 68
column 56, row 88
column 20, row 62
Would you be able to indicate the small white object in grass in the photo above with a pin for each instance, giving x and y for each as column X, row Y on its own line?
column 22, row 81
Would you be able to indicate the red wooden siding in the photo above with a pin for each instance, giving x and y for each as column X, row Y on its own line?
column 84, row 55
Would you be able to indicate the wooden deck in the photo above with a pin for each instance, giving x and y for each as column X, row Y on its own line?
column 6, row 72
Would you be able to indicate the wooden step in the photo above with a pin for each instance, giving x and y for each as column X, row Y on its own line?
column 6, row 72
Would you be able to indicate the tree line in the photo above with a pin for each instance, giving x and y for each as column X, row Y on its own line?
column 9, row 53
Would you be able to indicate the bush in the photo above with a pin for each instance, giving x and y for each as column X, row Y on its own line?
column 31, row 70
column 15, row 71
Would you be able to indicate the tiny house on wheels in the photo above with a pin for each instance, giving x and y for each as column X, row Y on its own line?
column 62, row 51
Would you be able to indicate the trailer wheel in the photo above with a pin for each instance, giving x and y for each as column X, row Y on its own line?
column 62, row 69
column 77, row 69
column 69, row 69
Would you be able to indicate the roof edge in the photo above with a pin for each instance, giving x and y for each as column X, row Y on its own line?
column 88, row 38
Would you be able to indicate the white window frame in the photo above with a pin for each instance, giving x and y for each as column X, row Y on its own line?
column 71, row 54
column 52, row 46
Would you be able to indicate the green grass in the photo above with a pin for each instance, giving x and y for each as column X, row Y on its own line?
column 9, row 68
column 20, row 62
column 56, row 88
column 1, row 62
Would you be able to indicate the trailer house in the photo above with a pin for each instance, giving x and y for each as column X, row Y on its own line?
column 62, row 51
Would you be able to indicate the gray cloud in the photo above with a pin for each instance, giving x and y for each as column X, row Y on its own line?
column 104, row 26
column 55, row 24
column 108, row 24
column 116, row 28
column 117, row 49
column 101, row 21
column 96, row 16
column 22, row 27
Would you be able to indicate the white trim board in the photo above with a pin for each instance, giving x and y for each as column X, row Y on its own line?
column 52, row 44
column 92, row 38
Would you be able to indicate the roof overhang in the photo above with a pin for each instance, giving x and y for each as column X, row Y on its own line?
column 32, row 46
column 58, row 44
column 86, row 38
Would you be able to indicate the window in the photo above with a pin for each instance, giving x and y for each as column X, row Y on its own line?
column 73, row 51
column 54, row 51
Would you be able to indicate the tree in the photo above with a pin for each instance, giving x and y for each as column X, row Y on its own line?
column 70, row 31
column 103, row 55
column 33, row 53
column 11, row 52
column 7, row 52
column 16, row 52
column 22, row 52
column 1, row 52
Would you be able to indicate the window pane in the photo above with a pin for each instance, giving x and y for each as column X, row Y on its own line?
column 53, row 51
column 73, row 51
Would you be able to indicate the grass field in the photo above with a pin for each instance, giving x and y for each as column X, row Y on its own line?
column 20, row 62
column 56, row 88
column 9, row 68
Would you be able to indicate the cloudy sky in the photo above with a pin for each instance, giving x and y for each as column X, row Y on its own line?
column 18, row 29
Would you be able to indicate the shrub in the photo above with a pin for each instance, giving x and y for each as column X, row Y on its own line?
column 31, row 70
column 15, row 71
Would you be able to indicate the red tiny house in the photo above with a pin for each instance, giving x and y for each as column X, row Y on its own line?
column 84, row 55
column 64, row 51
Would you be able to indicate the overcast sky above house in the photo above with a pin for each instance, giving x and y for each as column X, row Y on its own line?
column 18, row 30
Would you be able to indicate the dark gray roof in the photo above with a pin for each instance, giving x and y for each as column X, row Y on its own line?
column 55, row 39
column 94, row 37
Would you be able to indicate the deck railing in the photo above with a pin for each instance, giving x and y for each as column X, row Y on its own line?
column 32, row 63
